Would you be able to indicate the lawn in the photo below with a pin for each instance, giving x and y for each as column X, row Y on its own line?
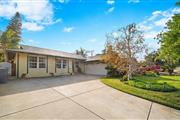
column 171, row 99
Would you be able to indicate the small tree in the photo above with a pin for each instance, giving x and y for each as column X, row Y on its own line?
column 122, row 49
column 82, row 52
column 11, row 37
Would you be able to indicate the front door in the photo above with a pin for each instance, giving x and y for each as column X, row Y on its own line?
column 13, row 69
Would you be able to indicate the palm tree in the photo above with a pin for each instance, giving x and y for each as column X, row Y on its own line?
column 82, row 52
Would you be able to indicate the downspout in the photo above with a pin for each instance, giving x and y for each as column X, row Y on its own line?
column 47, row 65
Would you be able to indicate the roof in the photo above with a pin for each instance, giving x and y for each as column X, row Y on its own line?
column 94, row 58
column 44, row 51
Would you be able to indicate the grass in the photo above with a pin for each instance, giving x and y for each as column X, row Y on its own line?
column 152, row 83
column 171, row 99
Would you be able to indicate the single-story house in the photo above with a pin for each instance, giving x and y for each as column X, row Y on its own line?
column 29, row 61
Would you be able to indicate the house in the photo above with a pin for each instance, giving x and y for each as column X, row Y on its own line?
column 29, row 61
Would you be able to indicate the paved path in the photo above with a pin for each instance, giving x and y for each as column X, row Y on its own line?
column 75, row 97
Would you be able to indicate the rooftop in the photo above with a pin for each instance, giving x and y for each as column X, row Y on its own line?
column 44, row 51
column 94, row 58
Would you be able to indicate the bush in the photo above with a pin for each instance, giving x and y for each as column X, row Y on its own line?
column 113, row 72
column 161, row 87
column 1, row 57
column 150, row 73
column 125, row 78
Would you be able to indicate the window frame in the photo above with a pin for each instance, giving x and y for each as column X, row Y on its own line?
column 37, row 62
column 30, row 62
column 44, row 62
column 58, row 64
column 64, row 64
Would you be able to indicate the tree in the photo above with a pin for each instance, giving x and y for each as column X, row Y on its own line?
column 152, row 59
column 11, row 37
column 123, row 47
column 178, row 3
column 82, row 52
column 170, row 43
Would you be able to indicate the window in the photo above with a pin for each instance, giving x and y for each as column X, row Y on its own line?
column 61, row 63
column 64, row 63
column 58, row 63
column 37, row 62
column 77, row 64
column 42, row 62
column 32, row 62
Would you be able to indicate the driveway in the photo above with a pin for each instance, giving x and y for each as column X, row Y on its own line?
column 75, row 97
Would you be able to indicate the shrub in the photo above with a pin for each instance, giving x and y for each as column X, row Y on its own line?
column 161, row 87
column 24, row 75
column 150, row 73
column 113, row 72
column 154, row 68
column 125, row 78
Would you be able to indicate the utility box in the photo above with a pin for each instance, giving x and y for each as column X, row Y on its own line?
column 3, row 75
column 6, row 65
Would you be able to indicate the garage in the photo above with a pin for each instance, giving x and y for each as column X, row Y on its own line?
column 95, row 66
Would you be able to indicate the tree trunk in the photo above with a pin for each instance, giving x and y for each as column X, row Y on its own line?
column 170, row 71
column 129, row 73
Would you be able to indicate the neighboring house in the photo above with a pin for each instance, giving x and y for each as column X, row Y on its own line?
column 28, row 61
column 95, row 66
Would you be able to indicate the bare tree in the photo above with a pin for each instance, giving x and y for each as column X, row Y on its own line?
column 125, row 45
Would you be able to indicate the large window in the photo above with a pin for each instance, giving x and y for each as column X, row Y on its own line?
column 58, row 63
column 61, row 63
column 37, row 62
column 32, row 62
column 42, row 62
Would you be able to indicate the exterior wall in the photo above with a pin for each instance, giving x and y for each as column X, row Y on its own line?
column 23, row 69
column 95, row 68
column 21, row 64
column 82, row 66
column 51, row 64
column 70, row 64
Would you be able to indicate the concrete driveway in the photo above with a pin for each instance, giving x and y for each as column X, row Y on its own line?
column 75, row 97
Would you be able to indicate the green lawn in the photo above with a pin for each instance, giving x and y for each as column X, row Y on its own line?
column 171, row 99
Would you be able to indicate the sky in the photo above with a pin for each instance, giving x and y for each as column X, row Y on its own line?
column 70, row 24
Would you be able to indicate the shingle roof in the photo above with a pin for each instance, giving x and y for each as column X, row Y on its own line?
column 94, row 58
column 44, row 51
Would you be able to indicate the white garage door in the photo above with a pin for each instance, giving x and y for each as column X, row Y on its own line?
column 95, row 69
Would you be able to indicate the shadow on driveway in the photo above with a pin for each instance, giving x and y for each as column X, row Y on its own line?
column 27, row 85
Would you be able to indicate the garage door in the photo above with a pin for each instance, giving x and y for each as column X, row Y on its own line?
column 95, row 69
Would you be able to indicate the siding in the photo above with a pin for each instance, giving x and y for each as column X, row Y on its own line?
column 22, row 57
column 51, row 64
column 41, row 72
